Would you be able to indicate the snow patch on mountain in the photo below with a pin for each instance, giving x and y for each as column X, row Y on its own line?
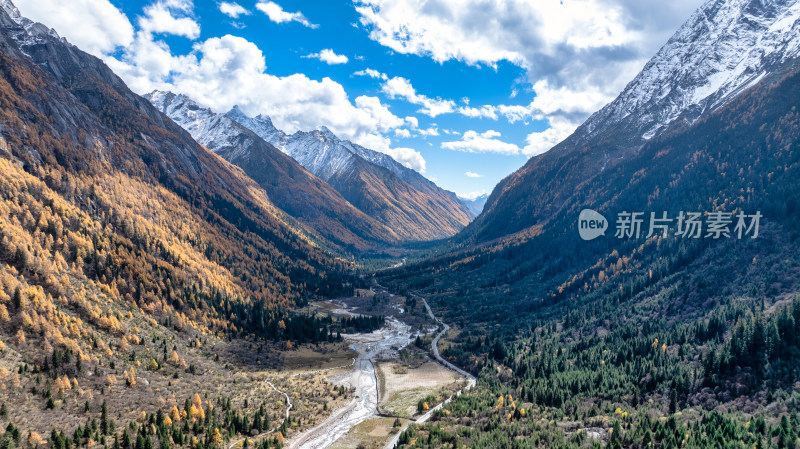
column 33, row 32
column 475, row 204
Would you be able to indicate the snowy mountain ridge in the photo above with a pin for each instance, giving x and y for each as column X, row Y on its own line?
column 320, row 151
column 34, row 32
column 212, row 130
column 725, row 47
column 397, row 202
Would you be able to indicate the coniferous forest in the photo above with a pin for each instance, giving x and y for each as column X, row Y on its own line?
column 658, row 342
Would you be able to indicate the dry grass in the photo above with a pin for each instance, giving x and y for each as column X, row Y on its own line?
column 402, row 386
column 372, row 433
column 318, row 357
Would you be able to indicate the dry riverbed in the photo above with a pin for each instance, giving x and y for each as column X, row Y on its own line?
column 387, row 377
column 361, row 380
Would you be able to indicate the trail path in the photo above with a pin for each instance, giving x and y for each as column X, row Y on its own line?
column 286, row 416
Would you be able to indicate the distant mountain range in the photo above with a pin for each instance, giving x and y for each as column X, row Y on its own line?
column 475, row 205
column 354, row 196
column 397, row 196
column 291, row 187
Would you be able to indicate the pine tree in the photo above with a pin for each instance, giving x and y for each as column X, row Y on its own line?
column 673, row 401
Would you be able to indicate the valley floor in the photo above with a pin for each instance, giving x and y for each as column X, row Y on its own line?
column 393, row 383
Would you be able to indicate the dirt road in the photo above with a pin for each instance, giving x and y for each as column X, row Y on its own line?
column 435, row 347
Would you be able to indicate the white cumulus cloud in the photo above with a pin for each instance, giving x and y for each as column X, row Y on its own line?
column 472, row 174
column 486, row 142
column 399, row 87
column 170, row 17
column 233, row 10
column 329, row 57
column 407, row 156
column 430, row 132
column 486, row 111
column 540, row 142
column 371, row 73
column 276, row 14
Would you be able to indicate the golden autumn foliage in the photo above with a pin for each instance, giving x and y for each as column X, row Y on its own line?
column 34, row 439
column 196, row 412
column 216, row 438
column 197, row 401
column 130, row 377
column 175, row 414
column 153, row 365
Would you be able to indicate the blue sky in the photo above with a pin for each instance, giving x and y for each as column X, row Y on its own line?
column 464, row 91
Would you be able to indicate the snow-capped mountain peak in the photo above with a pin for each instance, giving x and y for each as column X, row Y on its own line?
column 32, row 32
column 11, row 10
column 215, row 131
column 328, row 133
column 262, row 126
column 320, row 151
column 725, row 47
column 394, row 201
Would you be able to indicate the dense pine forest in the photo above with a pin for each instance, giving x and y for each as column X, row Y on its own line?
column 651, row 342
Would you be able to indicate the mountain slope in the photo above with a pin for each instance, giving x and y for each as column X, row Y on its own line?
column 635, row 324
column 400, row 198
column 670, row 341
column 722, row 49
column 137, row 268
column 289, row 186
column 126, row 200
